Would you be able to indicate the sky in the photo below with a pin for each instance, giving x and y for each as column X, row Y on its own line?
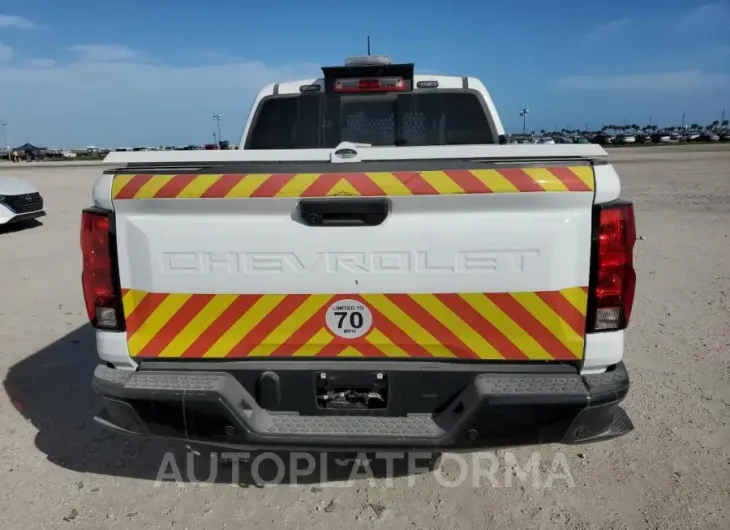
column 141, row 72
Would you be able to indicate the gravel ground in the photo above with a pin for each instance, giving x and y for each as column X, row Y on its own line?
column 60, row 470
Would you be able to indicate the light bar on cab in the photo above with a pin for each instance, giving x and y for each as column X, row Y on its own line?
column 368, row 74
column 368, row 60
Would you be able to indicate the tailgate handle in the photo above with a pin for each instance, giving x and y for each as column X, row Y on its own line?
column 344, row 212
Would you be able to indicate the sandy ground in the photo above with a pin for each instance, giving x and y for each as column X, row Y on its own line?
column 58, row 469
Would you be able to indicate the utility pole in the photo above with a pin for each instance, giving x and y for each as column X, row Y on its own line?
column 722, row 119
column 524, row 113
column 5, row 138
column 217, row 118
column 684, row 121
column 368, row 45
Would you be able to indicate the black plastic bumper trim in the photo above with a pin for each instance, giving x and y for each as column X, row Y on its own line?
column 494, row 409
column 19, row 218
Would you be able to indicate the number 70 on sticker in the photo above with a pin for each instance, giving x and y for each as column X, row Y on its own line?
column 349, row 319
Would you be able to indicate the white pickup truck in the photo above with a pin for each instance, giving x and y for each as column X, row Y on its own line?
column 373, row 268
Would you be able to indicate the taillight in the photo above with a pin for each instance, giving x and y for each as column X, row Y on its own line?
column 102, row 297
column 613, row 279
column 370, row 84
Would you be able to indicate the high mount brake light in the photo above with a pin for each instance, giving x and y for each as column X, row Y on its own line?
column 370, row 84
column 102, row 297
column 611, row 293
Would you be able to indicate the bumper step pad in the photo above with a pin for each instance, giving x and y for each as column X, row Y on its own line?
column 410, row 426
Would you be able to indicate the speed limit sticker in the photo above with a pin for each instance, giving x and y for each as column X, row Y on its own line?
column 349, row 319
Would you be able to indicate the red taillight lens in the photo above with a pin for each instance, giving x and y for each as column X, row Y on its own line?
column 101, row 297
column 614, row 280
column 373, row 84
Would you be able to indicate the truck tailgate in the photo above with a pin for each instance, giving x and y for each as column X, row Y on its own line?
column 467, row 261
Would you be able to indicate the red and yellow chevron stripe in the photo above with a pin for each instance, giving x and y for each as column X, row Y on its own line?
column 397, row 183
column 468, row 326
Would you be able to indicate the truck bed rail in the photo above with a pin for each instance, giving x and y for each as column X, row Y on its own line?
column 364, row 154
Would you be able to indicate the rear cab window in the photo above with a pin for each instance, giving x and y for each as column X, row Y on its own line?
column 416, row 118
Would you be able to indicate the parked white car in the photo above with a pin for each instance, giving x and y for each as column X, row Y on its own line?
column 19, row 201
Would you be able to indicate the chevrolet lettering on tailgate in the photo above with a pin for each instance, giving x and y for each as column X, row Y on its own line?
column 405, row 262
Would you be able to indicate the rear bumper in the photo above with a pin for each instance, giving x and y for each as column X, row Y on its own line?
column 445, row 407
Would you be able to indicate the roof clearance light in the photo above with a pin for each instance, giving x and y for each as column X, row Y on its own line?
column 427, row 84
column 368, row 60
column 310, row 88
column 370, row 84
